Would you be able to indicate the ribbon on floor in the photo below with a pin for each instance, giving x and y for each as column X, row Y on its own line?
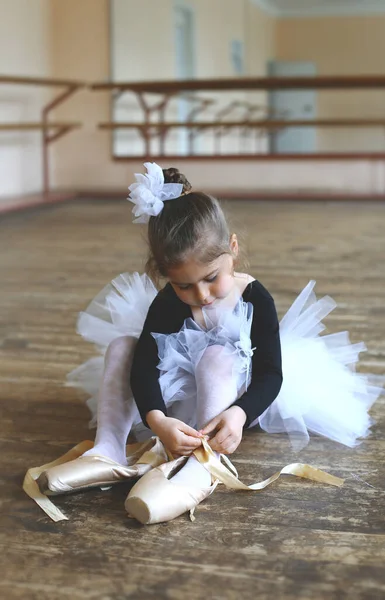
column 32, row 489
column 221, row 473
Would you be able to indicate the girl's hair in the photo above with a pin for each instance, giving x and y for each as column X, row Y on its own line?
column 193, row 224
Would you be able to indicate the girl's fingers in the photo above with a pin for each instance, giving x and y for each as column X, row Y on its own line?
column 221, row 437
column 211, row 426
column 224, row 446
column 230, row 449
column 190, row 442
column 217, row 447
column 190, row 431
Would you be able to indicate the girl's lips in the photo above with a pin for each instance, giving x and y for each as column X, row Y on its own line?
column 208, row 303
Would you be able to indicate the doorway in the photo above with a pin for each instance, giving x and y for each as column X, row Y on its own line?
column 185, row 64
column 292, row 105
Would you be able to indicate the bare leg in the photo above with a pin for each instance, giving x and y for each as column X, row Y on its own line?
column 116, row 407
column 216, row 391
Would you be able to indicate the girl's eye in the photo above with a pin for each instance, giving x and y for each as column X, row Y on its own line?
column 187, row 287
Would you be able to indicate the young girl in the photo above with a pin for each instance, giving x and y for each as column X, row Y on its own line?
column 201, row 359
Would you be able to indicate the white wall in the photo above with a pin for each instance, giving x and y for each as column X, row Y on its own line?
column 341, row 45
column 24, row 50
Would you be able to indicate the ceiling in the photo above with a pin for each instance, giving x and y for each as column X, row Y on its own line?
column 313, row 8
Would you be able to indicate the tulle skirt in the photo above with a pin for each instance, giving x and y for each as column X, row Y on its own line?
column 120, row 309
column 321, row 392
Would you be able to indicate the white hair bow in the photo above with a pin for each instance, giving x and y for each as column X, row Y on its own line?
column 150, row 192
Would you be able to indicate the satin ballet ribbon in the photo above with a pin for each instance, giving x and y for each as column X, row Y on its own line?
column 134, row 453
column 220, row 473
column 32, row 489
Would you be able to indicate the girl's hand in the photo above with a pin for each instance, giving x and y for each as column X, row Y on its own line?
column 179, row 438
column 229, row 428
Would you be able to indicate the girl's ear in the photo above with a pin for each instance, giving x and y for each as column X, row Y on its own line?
column 234, row 245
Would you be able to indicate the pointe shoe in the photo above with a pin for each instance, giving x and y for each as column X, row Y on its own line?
column 86, row 472
column 156, row 499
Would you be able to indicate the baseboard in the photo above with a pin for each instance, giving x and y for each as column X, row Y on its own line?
column 18, row 203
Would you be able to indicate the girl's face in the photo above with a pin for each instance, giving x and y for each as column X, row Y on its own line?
column 199, row 284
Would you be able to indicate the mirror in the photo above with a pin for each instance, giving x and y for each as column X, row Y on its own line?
column 196, row 40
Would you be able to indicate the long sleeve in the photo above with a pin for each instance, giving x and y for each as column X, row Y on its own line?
column 166, row 315
column 266, row 379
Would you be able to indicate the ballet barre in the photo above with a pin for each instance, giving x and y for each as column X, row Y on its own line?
column 154, row 124
column 260, row 124
column 51, row 131
column 358, row 82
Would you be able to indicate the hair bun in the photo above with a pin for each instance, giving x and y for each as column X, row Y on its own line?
column 173, row 175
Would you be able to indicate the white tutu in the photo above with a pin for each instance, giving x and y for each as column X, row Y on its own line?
column 321, row 392
column 120, row 309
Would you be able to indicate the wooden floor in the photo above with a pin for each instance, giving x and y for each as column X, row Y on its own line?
column 296, row 539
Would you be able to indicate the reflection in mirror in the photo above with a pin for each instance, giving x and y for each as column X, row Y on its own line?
column 189, row 44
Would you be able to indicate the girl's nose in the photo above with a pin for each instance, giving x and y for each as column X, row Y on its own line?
column 202, row 292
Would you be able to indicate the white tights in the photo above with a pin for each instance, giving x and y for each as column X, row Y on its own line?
column 116, row 409
column 216, row 391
